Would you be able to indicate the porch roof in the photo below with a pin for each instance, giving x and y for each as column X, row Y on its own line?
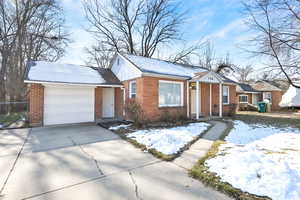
column 211, row 77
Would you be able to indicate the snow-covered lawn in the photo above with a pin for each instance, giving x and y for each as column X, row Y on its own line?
column 261, row 160
column 244, row 133
column 169, row 140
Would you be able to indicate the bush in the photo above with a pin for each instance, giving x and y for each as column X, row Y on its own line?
column 232, row 110
column 174, row 117
column 135, row 112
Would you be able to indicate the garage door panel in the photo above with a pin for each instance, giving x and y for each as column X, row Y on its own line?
column 68, row 105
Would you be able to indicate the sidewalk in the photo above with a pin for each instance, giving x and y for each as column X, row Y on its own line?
column 200, row 148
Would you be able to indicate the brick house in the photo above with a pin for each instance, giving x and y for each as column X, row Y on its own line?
column 253, row 93
column 60, row 94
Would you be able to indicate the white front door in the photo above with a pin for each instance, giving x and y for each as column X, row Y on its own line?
column 108, row 104
column 65, row 105
column 193, row 102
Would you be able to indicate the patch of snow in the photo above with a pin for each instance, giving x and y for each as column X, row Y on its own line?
column 49, row 71
column 267, row 167
column 169, row 140
column 291, row 97
column 243, row 133
column 114, row 128
column 163, row 67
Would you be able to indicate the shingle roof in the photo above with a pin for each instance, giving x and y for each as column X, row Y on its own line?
column 243, row 87
column 265, row 86
column 42, row 71
column 152, row 65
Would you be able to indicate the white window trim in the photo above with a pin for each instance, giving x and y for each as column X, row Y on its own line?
column 243, row 95
column 265, row 94
column 182, row 94
column 228, row 97
column 130, row 89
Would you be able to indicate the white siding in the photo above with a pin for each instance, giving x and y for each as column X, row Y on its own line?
column 124, row 70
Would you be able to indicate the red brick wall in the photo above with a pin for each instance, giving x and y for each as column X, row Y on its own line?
column 118, row 103
column 148, row 97
column 205, row 99
column 276, row 98
column 98, row 103
column 36, row 104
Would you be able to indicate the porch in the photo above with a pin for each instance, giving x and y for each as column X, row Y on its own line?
column 210, row 95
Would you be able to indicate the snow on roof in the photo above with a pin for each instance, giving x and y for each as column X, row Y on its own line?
column 291, row 98
column 152, row 65
column 64, row 73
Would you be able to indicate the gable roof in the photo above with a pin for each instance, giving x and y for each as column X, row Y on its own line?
column 244, row 88
column 42, row 71
column 157, row 66
column 265, row 86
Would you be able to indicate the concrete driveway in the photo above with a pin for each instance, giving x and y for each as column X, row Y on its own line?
column 87, row 162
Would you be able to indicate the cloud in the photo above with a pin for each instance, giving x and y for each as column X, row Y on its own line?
column 236, row 25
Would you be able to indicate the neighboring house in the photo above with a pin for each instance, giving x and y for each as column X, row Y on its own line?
column 253, row 93
column 70, row 94
column 269, row 91
column 246, row 95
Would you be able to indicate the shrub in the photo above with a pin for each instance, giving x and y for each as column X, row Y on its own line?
column 135, row 112
column 174, row 117
column 232, row 110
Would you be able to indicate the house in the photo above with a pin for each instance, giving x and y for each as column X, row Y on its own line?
column 253, row 93
column 246, row 95
column 60, row 94
column 270, row 91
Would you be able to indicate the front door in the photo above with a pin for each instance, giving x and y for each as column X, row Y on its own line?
column 193, row 102
column 108, row 104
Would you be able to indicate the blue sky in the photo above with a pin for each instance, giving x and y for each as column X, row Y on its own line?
column 220, row 21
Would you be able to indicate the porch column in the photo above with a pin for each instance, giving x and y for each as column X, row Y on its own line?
column 220, row 100
column 210, row 99
column 187, row 99
column 197, row 99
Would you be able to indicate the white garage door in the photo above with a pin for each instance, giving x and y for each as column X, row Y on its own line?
column 64, row 105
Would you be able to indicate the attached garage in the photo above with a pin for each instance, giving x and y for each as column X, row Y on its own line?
column 68, row 94
column 65, row 105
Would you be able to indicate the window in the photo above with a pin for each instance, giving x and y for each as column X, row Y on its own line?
column 243, row 98
column 268, row 96
column 225, row 95
column 132, row 89
column 170, row 93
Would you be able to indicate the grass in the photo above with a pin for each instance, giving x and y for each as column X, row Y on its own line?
column 201, row 172
column 10, row 118
column 123, row 132
column 267, row 120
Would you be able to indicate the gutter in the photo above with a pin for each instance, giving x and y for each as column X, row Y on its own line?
column 74, row 84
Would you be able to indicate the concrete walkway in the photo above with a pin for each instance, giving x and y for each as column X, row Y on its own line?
column 200, row 147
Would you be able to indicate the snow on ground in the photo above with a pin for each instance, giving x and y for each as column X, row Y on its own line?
column 169, row 140
column 267, row 167
column 114, row 128
column 243, row 133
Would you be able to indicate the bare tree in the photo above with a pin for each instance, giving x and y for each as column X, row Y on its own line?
column 243, row 73
column 29, row 30
column 277, row 23
column 208, row 56
column 137, row 27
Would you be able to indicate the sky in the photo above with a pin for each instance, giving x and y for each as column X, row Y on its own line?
column 220, row 21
